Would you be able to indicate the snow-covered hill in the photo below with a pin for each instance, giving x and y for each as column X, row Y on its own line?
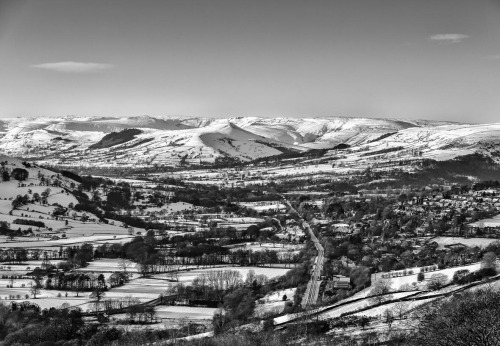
column 170, row 141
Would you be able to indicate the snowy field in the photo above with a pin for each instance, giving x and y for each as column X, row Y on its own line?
column 267, row 246
column 258, row 207
column 142, row 288
column 41, row 243
column 188, row 276
column 493, row 222
column 109, row 265
column 170, row 208
column 187, row 312
column 405, row 306
column 471, row 242
column 336, row 312
column 18, row 269
column 397, row 282
column 273, row 303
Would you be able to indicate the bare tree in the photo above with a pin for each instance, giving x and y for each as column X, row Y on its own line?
column 379, row 292
column 437, row 281
column 97, row 294
column 124, row 264
column 388, row 318
column 489, row 260
column 400, row 308
column 34, row 290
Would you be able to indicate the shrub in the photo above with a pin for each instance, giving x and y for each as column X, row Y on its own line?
column 437, row 281
column 461, row 276
column 19, row 174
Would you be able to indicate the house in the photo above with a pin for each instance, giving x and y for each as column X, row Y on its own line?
column 340, row 282
column 341, row 228
column 455, row 246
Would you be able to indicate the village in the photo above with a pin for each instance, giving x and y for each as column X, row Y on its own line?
column 108, row 245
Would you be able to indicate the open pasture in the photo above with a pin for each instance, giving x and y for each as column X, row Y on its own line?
column 471, row 242
column 188, row 276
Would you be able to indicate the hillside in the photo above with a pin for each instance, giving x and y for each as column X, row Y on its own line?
column 115, row 138
column 180, row 141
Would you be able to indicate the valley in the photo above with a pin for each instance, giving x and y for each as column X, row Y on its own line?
column 331, row 229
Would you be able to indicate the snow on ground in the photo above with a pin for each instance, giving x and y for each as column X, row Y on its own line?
column 172, row 207
column 62, row 198
column 143, row 288
column 188, row 276
column 379, row 310
column 188, row 312
column 446, row 289
column 267, row 246
column 273, row 302
column 336, row 312
column 446, row 154
column 256, row 206
column 109, row 265
column 450, row 271
column 41, row 243
column 471, row 242
column 493, row 222
column 46, row 298
column 397, row 282
column 18, row 269
column 488, row 285
column 361, row 294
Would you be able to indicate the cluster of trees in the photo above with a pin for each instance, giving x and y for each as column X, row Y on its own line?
column 36, row 197
column 19, row 174
column 350, row 321
column 13, row 255
column 468, row 318
column 455, row 171
column 29, row 222
column 5, row 229
column 25, row 323
column 74, row 281
column 72, row 176
column 20, row 201
column 464, row 276
column 210, row 286
column 80, row 256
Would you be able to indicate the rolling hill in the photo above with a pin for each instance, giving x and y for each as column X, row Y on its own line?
column 171, row 141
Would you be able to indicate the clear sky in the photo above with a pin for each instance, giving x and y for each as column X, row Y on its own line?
column 426, row 59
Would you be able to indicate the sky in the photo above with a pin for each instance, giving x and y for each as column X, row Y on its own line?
column 409, row 59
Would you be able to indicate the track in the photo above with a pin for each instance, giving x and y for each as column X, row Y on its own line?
column 312, row 290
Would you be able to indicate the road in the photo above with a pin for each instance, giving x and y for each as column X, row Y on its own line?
column 312, row 290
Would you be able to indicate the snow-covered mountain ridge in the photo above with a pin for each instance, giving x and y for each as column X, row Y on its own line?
column 170, row 140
